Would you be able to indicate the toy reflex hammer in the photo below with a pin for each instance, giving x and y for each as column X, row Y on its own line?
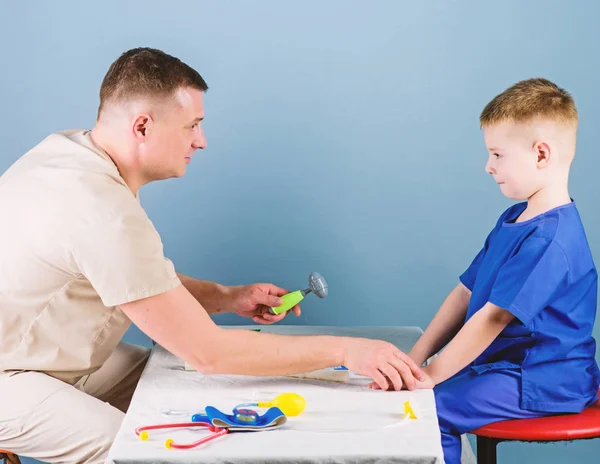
column 316, row 285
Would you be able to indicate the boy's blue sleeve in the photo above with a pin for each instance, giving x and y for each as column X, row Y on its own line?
column 531, row 279
column 468, row 277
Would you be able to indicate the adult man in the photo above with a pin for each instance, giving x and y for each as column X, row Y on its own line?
column 81, row 260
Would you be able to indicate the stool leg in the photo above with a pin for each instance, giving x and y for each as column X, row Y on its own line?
column 486, row 450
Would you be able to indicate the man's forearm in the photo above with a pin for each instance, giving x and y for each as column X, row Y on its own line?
column 210, row 295
column 241, row 350
column 445, row 325
column 475, row 336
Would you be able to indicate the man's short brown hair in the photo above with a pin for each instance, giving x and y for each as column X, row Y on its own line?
column 147, row 72
column 531, row 99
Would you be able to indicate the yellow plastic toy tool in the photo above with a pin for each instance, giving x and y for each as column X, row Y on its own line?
column 408, row 410
column 291, row 404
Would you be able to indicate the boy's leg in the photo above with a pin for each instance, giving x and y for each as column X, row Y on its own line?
column 52, row 421
column 117, row 379
column 470, row 400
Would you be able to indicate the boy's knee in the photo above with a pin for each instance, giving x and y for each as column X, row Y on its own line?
column 451, row 405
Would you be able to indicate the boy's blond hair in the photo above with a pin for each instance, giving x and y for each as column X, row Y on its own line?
column 531, row 99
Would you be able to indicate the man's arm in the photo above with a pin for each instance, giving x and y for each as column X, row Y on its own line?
column 211, row 295
column 178, row 322
column 251, row 301
column 444, row 326
column 475, row 336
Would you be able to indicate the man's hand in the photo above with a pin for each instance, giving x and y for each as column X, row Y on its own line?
column 390, row 368
column 424, row 383
column 255, row 300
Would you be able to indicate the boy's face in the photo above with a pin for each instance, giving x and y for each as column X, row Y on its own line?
column 512, row 159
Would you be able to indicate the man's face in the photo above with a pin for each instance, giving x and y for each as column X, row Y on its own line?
column 512, row 159
column 175, row 135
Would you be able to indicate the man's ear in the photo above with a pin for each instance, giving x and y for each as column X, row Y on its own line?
column 141, row 126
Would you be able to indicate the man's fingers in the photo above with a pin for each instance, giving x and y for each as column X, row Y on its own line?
column 270, row 294
column 270, row 318
column 260, row 320
column 266, row 294
column 379, row 379
column 404, row 371
column 392, row 374
column 265, row 317
column 275, row 290
column 417, row 372
column 271, row 301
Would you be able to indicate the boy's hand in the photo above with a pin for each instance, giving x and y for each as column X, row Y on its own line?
column 426, row 383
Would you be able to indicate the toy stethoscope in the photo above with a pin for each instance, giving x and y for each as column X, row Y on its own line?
column 142, row 432
column 242, row 419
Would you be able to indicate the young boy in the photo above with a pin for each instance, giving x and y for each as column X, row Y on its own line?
column 519, row 324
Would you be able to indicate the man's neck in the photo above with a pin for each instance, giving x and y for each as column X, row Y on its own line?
column 127, row 171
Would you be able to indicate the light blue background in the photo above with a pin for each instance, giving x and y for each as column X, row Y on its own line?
column 343, row 136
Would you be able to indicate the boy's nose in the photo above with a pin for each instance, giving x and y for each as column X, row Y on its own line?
column 489, row 168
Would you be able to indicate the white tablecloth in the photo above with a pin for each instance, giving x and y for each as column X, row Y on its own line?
column 342, row 422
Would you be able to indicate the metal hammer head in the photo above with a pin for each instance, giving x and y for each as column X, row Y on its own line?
column 318, row 285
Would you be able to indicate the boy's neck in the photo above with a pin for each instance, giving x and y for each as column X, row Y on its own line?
column 544, row 200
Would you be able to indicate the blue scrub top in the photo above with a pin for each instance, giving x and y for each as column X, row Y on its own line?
column 542, row 271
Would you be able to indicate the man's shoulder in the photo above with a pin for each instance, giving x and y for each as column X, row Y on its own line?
column 74, row 149
column 62, row 154
column 66, row 175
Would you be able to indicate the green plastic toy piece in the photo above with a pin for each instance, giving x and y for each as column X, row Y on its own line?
column 289, row 301
column 316, row 285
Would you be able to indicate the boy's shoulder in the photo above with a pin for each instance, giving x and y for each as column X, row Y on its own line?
column 563, row 228
column 560, row 227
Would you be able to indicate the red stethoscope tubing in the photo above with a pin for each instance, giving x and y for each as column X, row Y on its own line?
column 217, row 432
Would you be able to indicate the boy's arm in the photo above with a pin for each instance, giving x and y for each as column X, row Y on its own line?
column 475, row 336
column 444, row 326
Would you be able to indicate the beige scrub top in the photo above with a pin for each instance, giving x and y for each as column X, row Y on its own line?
column 75, row 243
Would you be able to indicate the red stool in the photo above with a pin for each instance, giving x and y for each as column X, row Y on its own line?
column 586, row 424
column 9, row 458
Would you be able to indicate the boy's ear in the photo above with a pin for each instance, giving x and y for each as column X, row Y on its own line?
column 543, row 154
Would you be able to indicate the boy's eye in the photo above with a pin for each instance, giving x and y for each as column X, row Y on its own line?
column 193, row 126
column 496, row 155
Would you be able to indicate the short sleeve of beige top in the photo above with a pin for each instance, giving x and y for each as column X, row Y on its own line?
column 75, row 243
